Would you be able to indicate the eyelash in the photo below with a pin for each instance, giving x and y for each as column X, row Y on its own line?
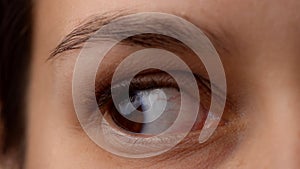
column 156, row 79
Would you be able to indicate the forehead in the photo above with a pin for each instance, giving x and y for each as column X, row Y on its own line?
column 221, row 10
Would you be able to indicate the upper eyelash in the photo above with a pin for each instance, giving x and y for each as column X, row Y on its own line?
column 103, row 96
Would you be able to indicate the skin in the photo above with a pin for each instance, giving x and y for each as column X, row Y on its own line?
column 261, row 65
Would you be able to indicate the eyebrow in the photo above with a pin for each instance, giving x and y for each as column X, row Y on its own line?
column 82, row 33
column 79, row 35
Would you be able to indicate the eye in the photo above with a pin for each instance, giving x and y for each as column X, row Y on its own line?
column 156, row 102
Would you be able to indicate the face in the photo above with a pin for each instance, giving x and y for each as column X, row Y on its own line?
column 258, row 43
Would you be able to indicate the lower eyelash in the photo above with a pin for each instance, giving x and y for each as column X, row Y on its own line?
column 121, row 140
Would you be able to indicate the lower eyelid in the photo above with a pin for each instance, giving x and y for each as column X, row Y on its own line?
column 186, row 147
column 122, row 140
column 224, row 135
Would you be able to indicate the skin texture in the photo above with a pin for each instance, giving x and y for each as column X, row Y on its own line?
column 261, row 38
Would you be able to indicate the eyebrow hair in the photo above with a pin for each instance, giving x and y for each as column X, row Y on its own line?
column 78, row 36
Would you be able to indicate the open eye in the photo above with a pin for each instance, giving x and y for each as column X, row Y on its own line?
column 153, row 105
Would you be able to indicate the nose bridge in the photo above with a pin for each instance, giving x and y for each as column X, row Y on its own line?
column 278, row 122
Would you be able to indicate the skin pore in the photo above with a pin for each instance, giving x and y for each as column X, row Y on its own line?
column 258, row 44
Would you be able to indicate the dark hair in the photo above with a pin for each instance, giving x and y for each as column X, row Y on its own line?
column 15, row 47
